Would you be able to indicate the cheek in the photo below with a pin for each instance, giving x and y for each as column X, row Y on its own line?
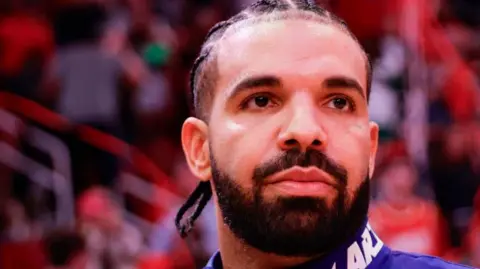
column 350, row 145
column 238, row 148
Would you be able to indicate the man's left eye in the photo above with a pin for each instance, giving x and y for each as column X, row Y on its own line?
column 341, row 103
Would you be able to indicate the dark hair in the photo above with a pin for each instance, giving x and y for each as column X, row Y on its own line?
column 61, row 246
column 203, row 73
column 79, row 23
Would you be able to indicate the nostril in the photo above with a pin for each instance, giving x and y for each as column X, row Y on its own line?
column 291, row 142
column 316, row 142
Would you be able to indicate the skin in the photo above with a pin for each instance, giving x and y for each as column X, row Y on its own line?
column 302, row 112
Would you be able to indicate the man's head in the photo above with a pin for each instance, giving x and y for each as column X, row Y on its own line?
column 97, row 207
column 280, row 92
column 397, row 181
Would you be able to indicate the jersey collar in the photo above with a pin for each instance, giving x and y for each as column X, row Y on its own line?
column 364, row 250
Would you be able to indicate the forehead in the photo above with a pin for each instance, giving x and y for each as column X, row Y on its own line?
column 289, row 47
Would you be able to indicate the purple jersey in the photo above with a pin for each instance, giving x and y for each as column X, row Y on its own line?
column 365, row 250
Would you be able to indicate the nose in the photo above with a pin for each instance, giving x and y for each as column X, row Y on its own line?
column 303, row 131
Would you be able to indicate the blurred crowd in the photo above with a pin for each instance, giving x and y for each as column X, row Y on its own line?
column 121, row 67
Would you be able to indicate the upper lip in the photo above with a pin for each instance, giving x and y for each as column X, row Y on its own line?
column 301, row 174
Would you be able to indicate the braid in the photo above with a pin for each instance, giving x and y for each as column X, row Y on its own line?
column 304, row 5
column 202, row 194
column 268, row 6
column 207, row 194
column 193, row 74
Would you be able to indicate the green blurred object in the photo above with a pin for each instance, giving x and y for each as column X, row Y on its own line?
column 156, row 54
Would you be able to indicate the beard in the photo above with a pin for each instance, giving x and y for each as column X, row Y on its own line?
column 291, row 226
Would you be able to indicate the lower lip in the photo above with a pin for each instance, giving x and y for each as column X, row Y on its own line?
column 302, row 188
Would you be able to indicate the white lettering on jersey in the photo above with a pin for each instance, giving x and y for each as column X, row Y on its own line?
column 379, row 244
column 355, row 257
column 358, row 259
column 367, row 246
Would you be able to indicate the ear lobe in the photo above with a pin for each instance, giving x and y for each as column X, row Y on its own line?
column 374, row 129
column 195, row 147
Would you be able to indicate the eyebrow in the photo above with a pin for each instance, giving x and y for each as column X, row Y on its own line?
column 249, row 83
column 341, row 82
column 269, row 81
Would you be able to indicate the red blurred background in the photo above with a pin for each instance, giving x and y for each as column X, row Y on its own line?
column 93, row 94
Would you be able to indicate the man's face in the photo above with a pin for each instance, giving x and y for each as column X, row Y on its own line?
column 290, row 105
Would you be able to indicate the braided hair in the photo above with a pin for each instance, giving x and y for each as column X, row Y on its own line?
column 204, row 73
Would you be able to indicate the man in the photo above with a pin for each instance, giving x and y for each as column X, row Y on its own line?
column 84, row 84
column 283, row 141
column 403, row 219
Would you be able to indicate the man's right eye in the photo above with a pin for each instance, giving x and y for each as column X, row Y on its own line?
column 258, row 102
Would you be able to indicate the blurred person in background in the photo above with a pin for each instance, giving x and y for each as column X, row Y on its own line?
column 65, row 249
column 454, row 103
column 386, row 106
column 154, row 101
column 403, row 219
column 454, row 180
column 455, row 44
column 26, row 45
column 111, row 242
column 84, row 85
column 154, row 96
column 18, row 226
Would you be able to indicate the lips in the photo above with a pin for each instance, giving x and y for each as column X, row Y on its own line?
column 302, row 175
column 299, row 181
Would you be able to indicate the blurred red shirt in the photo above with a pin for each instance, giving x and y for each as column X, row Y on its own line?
column 155, row 261
column 417, row 228
column 21, row 34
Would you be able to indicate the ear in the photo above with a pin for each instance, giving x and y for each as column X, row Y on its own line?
column 195, row 147
column 374, row 129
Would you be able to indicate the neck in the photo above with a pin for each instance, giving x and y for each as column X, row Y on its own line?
column 237, row 254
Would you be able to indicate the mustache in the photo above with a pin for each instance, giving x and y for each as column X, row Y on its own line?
column 295, row 157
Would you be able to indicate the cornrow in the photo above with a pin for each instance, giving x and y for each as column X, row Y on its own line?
column 200, row 196
column 202, row 77
column 215, row 33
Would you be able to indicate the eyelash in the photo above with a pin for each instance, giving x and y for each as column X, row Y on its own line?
column 331, row 97
column 244, row 103
column 353, row 106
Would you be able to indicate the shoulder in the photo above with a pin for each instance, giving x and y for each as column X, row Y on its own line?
column 409, row 260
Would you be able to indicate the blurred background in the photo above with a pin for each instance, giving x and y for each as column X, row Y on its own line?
column 93, row 94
